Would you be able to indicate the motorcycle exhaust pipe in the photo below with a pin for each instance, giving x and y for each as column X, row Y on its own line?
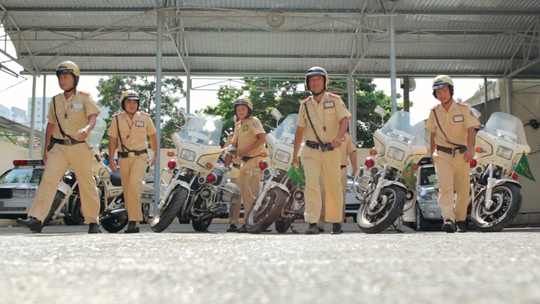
column 112, row 214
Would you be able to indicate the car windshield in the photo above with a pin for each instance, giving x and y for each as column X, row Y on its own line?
column 428, row 176
column 22, row 176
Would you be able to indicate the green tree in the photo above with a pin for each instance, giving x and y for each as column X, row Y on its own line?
column 172, row 91
column 284, row 95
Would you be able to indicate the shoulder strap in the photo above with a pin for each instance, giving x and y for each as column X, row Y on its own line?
column 314, row 131
column 58, row 121
column 439, row 124
column 119, row 136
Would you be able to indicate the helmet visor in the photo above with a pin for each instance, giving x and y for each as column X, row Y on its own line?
column 441, row 85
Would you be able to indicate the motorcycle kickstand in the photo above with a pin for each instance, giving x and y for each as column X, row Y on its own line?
column 291, row 226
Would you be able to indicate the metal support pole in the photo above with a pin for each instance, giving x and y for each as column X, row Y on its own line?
column 509, row 89
column 32, row 120
column 43, row 120
column 157, row 120
column 392, row 63
column 351, row 88
column 486, row 113
column 406, row 88
column 188, row 94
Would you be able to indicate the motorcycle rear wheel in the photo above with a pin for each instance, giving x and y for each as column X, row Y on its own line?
column 169, row 209
column 202, row 225
column 115, row 223
column 506, row 204
column 272, row 203
column 282, row 225
column 389, row 207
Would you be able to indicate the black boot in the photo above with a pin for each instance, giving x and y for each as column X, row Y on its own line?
column 93, row 228
column 336, row 228
column 33, row 223
column 132, row 227
column 313, row 229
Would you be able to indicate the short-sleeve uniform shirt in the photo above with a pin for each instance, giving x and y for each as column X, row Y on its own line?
column 133, row 132
column 72, row 113
column 325, row 116
column 453, row 122
column 347, row 147
column 245, row 133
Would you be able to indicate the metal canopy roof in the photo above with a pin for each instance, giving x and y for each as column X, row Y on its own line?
column 493, row 38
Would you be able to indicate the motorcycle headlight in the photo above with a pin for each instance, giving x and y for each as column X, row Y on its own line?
column 504, row 152
column 282, row 156
column 187, row 155
column 396, row 154
column 24, row 193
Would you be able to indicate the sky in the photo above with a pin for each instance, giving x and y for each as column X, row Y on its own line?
column 14, row 92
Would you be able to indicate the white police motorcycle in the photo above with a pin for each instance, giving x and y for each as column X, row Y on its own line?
column 198, row 190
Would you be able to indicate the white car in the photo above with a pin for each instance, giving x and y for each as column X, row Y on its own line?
column 426, row 210
column 18, row 187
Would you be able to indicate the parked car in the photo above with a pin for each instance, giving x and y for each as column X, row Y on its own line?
column 18, row 187
column 426, row 210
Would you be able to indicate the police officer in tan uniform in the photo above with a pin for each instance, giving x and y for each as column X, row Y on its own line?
column 452, row 145
column 348, row 151
column 234, row 212
column 128, row 132
column 248, row 137
column 323, row 120
column 72, row 115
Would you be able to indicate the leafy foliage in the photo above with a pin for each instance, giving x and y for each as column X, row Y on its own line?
column 172, row 91
column 267, row 94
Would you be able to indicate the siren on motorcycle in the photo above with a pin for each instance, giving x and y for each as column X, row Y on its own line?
column 370, row 162
column 171, row 164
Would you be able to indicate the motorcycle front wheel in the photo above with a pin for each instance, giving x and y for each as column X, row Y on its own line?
column 169, row 209
column 58, row 197
column 506, row 204
column 388, row 208
column 270, row 206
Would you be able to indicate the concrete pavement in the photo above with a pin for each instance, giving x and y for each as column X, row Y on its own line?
column 65, row 264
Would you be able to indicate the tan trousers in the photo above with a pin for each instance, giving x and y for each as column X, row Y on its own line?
column 322, row 222
column 319, row 164
column 59, row 160
column 234, row 211
column 243, row 182
column 452, row 174
column 132, row 171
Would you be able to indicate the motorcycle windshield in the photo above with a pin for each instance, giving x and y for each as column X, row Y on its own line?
column 97, row 132
column 202, row 129
column 286, row 129
column 507, row 127
column 401, row 126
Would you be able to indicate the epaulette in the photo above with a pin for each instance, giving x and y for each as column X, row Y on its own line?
column 147, row 114
column 305, row 100
column 434, row 108
column 85, row 93
column 462, row 103
column 334, row 95
column 116, row 114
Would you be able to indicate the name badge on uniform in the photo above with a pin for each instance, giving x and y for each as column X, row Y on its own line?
column 245, row 128
column 77, row 106
column 139, row 123
column 329, row 104
column 458, row 118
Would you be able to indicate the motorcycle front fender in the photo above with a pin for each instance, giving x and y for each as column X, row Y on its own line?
column 64, row 188
column 175, row 183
